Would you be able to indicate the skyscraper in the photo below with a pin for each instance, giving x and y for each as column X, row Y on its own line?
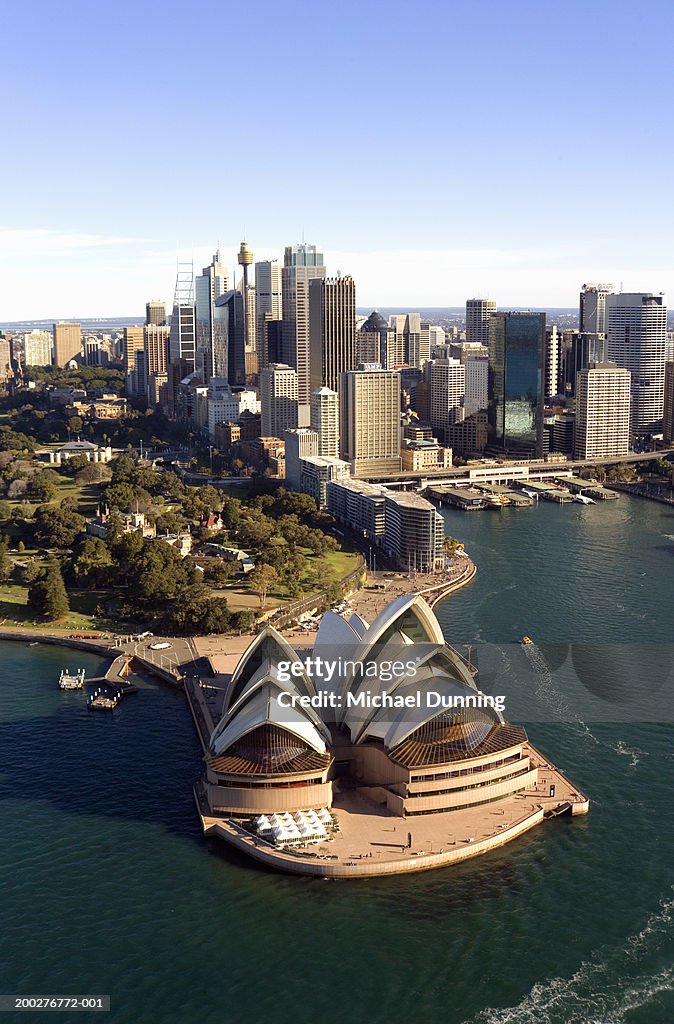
column 448, row 389
column 602, row 412
column 67, row 343
column 369, row 404
column 404, row 346
column 593, row 307
column 332, row 330
column 668, row 418
column 516, row 367
column 37, row 348
column 182, row 342
column 228, row 332
column 209, row 286
column 278, row 398
column 372, row 340
column 302, row 264
column 552, row 341
column 478, row 312
column 155, row 312
column 576, row 351
column 268, row 307
column 135, row 367
column 156, row 342
column 325, row 421
column 636, row 329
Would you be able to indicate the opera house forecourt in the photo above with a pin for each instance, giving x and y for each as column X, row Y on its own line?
column 371, row 751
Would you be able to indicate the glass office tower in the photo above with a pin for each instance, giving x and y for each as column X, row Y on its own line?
column 515, row 383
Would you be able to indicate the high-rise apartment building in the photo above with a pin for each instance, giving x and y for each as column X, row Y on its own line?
column 301, row 443
column 602, row 412
column 593, row 307
column 478, row 312
column 156, row 340
column 268, row 307
column 552, row 342
column 302, row 264
column 278, row 398
column 369, row 403
column 67, row 343
column 448, row 388
column 37, row 348
column 332, row 330
column 208, row 287
column 516, row 368
column 325, row 421
column 155, row 312
column 668, row 418
column 636, row 329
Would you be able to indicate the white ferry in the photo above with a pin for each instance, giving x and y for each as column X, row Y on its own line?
column 71, row 682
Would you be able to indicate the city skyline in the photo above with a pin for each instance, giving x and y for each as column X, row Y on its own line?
column 100, row 216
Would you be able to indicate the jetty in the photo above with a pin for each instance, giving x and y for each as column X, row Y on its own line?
column 71, row 681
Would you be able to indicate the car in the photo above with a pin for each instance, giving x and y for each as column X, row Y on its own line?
column 163, row 645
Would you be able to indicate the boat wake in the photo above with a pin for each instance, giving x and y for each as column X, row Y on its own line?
column 550, row 696
column 635, row 753
column 605, row 989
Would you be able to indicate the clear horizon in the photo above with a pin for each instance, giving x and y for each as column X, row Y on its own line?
column 514, row 150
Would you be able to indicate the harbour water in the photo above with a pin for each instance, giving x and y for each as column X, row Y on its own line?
column 108, row 887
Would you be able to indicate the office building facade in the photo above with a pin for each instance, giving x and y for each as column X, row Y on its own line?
column 332, row 329
column 636, row 333
column 515, row 383
column 67, row 343
column 602, row 412
column 478, row 312
column 302, row 264
column 278, row 399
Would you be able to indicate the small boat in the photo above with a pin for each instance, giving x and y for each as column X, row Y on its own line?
column 582, row 499
column 526, row 640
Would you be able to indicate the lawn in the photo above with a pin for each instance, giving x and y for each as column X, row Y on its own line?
column 14, row 610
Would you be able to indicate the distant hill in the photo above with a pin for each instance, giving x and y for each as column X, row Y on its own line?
column 103, row 323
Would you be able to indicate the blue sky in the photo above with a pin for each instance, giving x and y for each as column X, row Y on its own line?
column 434, row 151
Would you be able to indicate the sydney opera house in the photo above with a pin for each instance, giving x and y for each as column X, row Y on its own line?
column 372, row 751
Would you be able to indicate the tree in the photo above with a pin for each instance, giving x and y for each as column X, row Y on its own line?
column 6, row 564
column 57, row 526
column 48, row 597
column 41, row 488
column 93, row 565
column 75, row 424
column 262, row 579
column 94, row 473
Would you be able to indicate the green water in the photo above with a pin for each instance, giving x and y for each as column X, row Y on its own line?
column 109, row 888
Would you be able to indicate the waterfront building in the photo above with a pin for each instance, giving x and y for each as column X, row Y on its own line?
column 278, row 399
column 636, row 329
column 67, row 343
column 516, row 367
column 332, row 330
column 268, row 310
column 668, row 418
column 325, row 421
column 448, row 389
column 478, row 312
column 155, row 313
column 37, row 348
column 593, row 307
column 369, row 403
column 602, row 412
column 316, row 472
column 208, row 287
column 417, row 456
column 406, row 526
column 268, row 756
column 302, row 264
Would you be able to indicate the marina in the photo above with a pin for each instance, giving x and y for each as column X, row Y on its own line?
column 520, row 493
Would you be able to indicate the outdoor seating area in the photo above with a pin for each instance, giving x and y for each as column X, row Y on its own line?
column 296, row 829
